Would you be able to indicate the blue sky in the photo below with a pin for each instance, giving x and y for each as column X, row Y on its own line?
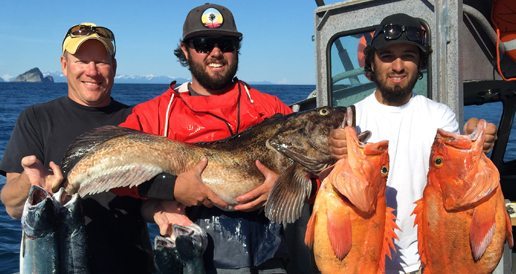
column 277, row 45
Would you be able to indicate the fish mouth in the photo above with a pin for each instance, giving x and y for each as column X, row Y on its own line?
column 459, row 141
column 37, row 194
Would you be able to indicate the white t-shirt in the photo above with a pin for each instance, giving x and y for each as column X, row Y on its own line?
column 410, row 130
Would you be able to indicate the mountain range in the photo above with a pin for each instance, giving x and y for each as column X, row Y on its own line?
column 58, row 77
column 128, row 79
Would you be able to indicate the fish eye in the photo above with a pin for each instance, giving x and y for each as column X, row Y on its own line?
column 324, row 111
column 384, row 170
column 438, row 161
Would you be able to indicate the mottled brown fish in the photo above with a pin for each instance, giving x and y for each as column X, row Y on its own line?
column 461, row 219
column 351, row 229
column 293, row 146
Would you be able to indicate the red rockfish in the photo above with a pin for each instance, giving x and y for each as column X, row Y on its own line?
column 351, row 229
column 462, row 221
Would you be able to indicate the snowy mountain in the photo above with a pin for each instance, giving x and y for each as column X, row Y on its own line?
column 128, row 79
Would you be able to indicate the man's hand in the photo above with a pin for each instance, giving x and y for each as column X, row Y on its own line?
column 490, row 133
column 256, row 198
column 191, row 191
column 39, row 175
column 337, row 142
column 168, row 213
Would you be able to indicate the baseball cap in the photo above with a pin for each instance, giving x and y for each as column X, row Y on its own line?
column 83, row 32
column 210, row 20
column 400, row 28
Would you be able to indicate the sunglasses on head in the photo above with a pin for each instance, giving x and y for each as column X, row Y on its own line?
column 206, row 44
column 394, row 32
column 84, row 30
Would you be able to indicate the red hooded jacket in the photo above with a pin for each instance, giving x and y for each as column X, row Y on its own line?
column 193, row 118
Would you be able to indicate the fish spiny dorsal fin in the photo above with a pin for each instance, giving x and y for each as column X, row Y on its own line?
column 419, row 211
column 389, row 237
column 482, row 229
column 288, row 195
column 88, row 141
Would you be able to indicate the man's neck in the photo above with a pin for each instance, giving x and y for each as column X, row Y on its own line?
column 197, row 89
column 398, row 102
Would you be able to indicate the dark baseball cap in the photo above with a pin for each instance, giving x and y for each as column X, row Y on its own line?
column 210, row 20
column 400, row 28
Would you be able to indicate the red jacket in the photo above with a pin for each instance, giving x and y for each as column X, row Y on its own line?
column 180, row 116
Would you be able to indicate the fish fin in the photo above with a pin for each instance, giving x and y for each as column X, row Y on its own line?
column 288, row 195
column 482, row 230
column 389, row 232
column 88, row 141
column 298, row 153
column 476, row 186
column 508, row 230
column 357, row 191
column 325, row 172
column 419, row 212
column 339, row 231
column 129, row 175
column 310, row 230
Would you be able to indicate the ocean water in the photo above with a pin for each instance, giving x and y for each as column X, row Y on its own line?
column 17, row 96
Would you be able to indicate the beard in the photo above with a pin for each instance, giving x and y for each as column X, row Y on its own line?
column 219, row 81
column 395, row 94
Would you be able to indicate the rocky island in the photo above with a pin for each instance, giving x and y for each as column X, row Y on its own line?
column 33, row 76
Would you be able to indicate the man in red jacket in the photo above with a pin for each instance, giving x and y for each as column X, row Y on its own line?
column 213, row 106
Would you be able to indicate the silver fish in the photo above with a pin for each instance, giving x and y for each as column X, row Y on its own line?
column 293, row 146
column 38, row 249
column 72, row 234
column 182, row 252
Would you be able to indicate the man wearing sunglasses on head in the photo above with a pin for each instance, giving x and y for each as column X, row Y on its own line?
column 213, row 106
column 117, row 237
column 397, row 53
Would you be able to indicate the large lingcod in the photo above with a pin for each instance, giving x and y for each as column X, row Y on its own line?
column 293, row 146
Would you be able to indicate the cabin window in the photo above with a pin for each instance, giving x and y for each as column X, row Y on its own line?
column 348, row 83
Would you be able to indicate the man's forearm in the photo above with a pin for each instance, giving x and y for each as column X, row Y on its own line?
column 14, row 193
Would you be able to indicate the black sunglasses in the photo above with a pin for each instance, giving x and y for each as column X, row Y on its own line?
column 84, row 30
column 206, row 44
column 394, row 32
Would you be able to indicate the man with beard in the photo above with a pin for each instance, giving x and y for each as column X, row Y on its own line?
column 213, row 106
column 398, row 52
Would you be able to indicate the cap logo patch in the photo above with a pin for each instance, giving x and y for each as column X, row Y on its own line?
column 212, row 18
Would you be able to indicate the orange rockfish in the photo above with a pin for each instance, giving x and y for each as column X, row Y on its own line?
column 462, row 221
column 351, row 229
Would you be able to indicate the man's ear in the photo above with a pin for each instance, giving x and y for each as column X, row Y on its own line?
column 185, row 51
column 64, row 64
column 114, row 65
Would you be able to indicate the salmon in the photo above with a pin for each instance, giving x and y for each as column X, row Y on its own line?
column 461, row 218
column 351, row 229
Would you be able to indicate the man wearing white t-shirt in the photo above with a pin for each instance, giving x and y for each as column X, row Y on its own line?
column 398, row 52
